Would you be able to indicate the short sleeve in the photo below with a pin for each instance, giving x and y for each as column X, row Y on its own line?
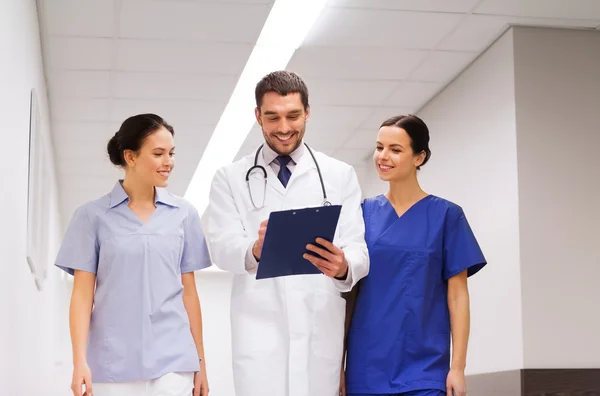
column 195, row 252
column 461, row 249
column 79, row 249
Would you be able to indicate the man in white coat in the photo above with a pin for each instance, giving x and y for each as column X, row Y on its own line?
column 287, row 332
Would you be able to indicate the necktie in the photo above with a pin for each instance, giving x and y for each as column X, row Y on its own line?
column 284, row 173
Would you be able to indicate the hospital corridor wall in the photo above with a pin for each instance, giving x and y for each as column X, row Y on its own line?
column 514, row 142
column 33, row 323
column 557, row 83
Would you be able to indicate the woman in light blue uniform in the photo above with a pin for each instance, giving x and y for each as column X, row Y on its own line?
column 415, row 300
column 135, row 319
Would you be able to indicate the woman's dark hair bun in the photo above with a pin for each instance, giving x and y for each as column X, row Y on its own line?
column 114, row 153
column 131, row 135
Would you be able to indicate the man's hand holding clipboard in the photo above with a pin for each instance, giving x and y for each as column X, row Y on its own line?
column 298, row 242
column 333, row 262
column 258, row 245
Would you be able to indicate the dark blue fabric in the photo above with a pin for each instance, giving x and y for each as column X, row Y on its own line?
column 425, row 392
column 284, row 173
column 399, row 338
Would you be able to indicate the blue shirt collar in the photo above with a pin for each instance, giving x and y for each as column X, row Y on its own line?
column 118, row 196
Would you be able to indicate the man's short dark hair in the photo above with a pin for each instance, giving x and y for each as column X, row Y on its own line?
column 283, row 82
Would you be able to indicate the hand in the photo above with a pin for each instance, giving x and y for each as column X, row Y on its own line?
column 257, row 248
column 333, row 263
column 81, row 376
column 201, row 381
column 455, row 383
column 343, row 383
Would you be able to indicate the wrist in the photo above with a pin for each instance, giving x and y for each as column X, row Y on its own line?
column 458, row 366
column 344, row 274
column 254, row 250
column 79, row 360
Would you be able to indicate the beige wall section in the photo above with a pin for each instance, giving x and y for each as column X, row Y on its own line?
column 557, row 76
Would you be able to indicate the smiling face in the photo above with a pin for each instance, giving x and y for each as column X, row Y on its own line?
column 394, row 157
column 153, row 162
column 283, row 121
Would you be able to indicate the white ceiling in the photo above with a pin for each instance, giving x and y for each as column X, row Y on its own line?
column 363, row 61
column 109, row 59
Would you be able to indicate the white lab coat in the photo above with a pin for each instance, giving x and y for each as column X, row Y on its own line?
column 287, row 333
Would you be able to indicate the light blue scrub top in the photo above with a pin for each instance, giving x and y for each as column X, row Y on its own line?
column 399, row 338
column 139, row 328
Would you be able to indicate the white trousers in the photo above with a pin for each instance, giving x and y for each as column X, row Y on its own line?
column 172, row 384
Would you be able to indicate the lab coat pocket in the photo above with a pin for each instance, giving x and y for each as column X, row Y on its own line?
column 256, row 326
column 328, row 325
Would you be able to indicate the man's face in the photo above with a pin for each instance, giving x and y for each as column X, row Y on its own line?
column 283, row 121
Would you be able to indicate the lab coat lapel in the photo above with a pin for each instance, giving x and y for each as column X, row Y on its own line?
column 305, row 164
column 272, row 179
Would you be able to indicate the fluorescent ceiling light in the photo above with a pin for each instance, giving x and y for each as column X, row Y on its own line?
column 284, row 31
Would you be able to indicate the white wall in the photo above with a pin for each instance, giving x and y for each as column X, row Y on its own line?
column 28, row 317
column 474, row 163
column 558, row 99
column 214, row 290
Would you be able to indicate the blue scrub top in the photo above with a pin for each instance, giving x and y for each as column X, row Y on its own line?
column 399, row 338
column 139, row 328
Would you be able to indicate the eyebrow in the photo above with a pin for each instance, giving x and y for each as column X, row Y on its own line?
column 162, row 148
column 391, row 145
column 293, row 112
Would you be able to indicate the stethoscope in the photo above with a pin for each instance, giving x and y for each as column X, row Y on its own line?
column 264, row 172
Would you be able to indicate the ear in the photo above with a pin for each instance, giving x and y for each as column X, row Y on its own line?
column 420, row 158
column 129, row 156
column 307, row 113
column 257, row 115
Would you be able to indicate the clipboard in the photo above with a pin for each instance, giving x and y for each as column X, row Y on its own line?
column 288, row 233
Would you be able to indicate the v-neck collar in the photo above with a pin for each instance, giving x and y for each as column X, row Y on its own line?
column 410, row 208
column 118, row 195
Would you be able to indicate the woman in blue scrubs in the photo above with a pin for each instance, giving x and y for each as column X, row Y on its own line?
column 135, row 319
column 415, row 302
